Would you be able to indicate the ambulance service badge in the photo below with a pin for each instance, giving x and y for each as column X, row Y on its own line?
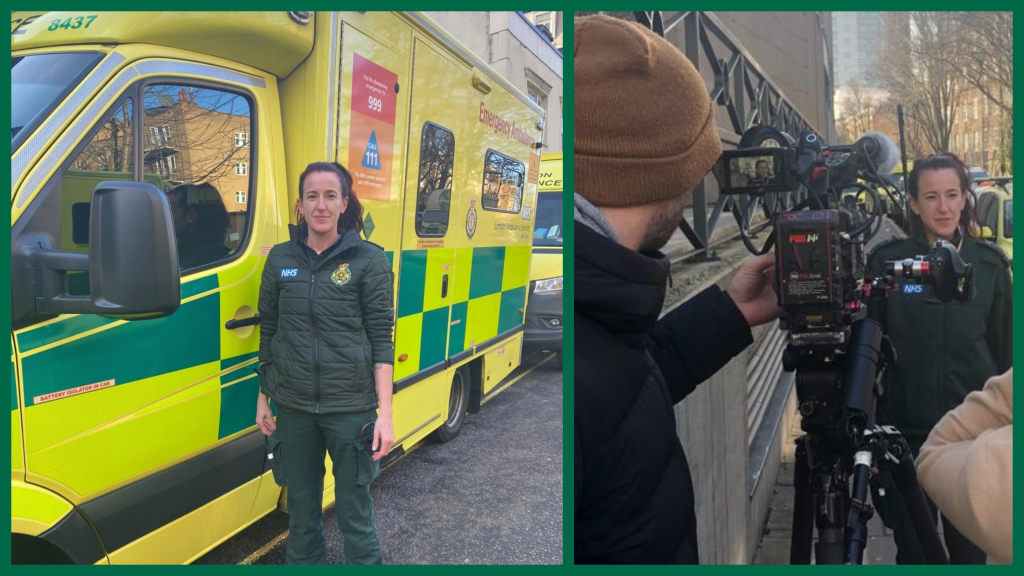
column 342, row 275
column 471, row 219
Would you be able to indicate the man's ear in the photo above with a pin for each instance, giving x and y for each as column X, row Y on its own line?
column 193, row 215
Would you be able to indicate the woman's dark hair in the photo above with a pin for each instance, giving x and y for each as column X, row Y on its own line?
column 211, row 215
column 353, row 215
column 943, row 161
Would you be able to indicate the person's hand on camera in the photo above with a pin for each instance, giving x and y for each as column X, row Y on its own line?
column 752, row 289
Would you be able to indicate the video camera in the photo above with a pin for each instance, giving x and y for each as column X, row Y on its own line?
column 838, row 353
column 819, row 252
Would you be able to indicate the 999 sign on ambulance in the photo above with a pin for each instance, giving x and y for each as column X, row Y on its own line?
column 132, row 390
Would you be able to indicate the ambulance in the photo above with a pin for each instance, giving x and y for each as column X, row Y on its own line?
column 133, row 394
column 544, row 314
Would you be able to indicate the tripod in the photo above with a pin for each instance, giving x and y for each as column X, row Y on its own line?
column 837, row 392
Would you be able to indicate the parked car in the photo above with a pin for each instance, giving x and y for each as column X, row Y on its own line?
column 995, row 213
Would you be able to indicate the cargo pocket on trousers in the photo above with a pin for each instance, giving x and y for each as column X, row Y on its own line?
column 274, row 449
column 367, row 469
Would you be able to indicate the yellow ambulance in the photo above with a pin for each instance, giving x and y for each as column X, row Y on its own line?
column 544, row 314
column 132, row 389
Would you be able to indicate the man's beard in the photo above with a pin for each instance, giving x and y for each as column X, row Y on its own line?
column 662, row 227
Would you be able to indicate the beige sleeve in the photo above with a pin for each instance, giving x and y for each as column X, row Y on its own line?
column 966, row 467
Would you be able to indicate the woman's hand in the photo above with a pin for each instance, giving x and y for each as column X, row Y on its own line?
column 264, row 416
column 383, row 435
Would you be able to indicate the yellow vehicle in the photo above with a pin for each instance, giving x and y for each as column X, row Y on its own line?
column 995, row 213
column 132, row 406
column 544, row 314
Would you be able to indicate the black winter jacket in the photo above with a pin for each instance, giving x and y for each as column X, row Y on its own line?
column 633, row 491
column 324, row 321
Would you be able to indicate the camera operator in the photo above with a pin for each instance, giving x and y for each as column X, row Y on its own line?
column 944, row 350
column 966, row 466
column 645, row 137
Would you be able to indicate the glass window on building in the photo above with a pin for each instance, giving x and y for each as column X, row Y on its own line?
column 544, row 19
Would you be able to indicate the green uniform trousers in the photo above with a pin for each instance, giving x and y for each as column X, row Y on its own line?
column 305, row 438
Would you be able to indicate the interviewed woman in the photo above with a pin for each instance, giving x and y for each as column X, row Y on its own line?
column 944, row 350
column 326, row 360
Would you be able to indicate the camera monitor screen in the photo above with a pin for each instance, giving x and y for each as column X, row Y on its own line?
column 752, row 172
column 755, row 171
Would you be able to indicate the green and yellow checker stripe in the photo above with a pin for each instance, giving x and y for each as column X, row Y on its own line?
column 16, row 456
column 487, row 290
column 173, row 373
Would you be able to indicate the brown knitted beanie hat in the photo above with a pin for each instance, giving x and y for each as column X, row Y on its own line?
column 644, row 124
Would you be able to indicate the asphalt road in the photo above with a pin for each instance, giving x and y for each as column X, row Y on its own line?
column 491, row 496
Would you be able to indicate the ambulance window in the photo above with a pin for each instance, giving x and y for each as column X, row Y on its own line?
column 106, row 156
column 434, row 189
column 191, row 153
column 39, row 83
column 503, row 183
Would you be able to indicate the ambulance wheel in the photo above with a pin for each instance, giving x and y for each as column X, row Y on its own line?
column 458, row 402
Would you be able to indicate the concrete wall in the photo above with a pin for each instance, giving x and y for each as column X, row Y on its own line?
column 712, row 425
column 509, row 44
column 791, row 49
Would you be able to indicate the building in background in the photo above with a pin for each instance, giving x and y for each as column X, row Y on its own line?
column 793, row 51
column 523, row 53
column 981, row 134
column 857, row 41
column 549, row 23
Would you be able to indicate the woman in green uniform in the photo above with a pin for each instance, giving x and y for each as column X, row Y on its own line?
column 326, row 360
column 944, row 350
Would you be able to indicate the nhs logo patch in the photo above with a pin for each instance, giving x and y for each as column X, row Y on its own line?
column 913, row 289
column 289, row 272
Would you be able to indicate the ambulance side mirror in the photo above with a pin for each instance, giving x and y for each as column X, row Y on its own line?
column 132, row 260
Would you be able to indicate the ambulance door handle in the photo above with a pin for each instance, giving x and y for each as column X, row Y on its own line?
column 444, row 286
column 250, row 321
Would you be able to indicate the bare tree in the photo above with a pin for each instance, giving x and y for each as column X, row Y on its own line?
column 984, row 59
column 985, row 54
column 437, row 163
column 201, row 124
column 928, row 85
column 857, row 114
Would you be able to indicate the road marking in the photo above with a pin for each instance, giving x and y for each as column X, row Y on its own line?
column 277, row 540
column 262, row 551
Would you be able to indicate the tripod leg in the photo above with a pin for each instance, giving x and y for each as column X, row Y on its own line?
column 832, row 503
column 803, row 508
column 906, row 480
column 860, row 510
